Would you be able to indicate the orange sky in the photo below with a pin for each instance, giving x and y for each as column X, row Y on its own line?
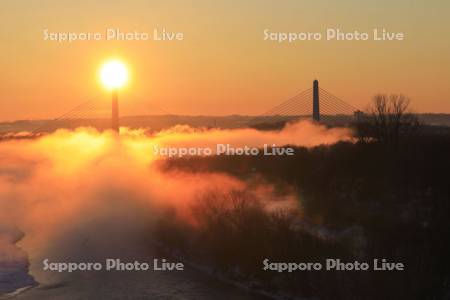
column 223, row 66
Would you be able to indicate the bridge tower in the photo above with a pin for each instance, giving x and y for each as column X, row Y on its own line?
column 316, row 107
column 115, row 112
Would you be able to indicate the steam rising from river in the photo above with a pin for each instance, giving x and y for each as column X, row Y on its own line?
column 83, row 194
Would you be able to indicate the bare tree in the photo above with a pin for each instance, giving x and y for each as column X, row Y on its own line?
column 387, row 120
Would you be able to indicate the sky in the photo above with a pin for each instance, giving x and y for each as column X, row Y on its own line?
column 223, row 66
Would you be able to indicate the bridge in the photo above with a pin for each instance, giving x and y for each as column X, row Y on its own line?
column 315, row 103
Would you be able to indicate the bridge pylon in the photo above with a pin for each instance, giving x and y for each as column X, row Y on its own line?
column 316, row 106
column 115, row 112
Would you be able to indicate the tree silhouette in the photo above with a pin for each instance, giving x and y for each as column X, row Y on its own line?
column 388, row 120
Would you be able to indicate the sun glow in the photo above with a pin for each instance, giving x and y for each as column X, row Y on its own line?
column 114, row 74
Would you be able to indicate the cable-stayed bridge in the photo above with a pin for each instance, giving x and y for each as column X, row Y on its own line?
column 315, row 103
column 96, row 112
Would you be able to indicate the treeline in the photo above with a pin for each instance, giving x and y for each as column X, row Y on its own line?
column 384, row 196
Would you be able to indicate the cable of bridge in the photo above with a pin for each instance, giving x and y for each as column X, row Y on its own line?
column 338, row 103
column 83, row 111
column 66, row 116
column 288, row 102
column 333, row 107
column 289, row 110
column 291, row 102
column 153, row 106
column 338, row 99
column 292, row 107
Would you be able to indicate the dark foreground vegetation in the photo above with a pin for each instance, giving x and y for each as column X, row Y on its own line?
column 385, row 196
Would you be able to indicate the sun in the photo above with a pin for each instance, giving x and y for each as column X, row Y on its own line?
column 114, row 74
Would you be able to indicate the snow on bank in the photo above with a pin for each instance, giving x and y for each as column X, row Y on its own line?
column 13, row 262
